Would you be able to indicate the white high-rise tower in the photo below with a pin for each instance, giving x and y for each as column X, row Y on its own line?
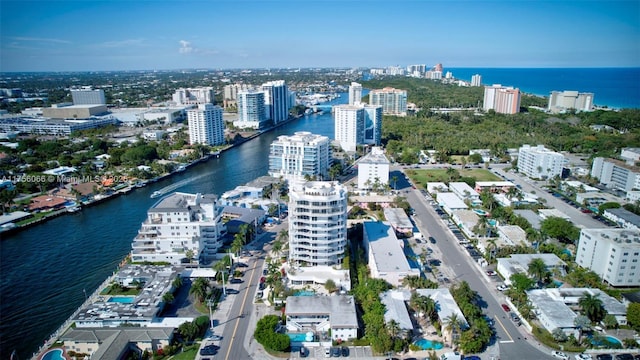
column 206, row 125
column 355, row 93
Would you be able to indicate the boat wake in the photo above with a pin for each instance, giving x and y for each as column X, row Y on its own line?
column 170, row 188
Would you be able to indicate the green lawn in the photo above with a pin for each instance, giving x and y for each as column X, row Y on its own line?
column 422, row 177
column 189, row 354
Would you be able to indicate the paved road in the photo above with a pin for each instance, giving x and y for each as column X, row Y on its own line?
column 583, row 221
column 241, row 317
column 510, row 339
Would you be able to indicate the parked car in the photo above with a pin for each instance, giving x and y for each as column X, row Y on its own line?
column 432, row 239
column 502, row 287
column 344, row 351
column 559, row 355
column 583, row 357
column 624, row 356
column 262, row 286
column 235, row 281
column 242, row 265
column 265, row 272
column 604, row 357
column 505, row 307
column 304, row 352
column 491, row 273
column 335, row 352
column 515, row 319
column 327, row 352
column 472, row 357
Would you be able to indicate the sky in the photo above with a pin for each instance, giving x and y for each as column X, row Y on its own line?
column 51, row 35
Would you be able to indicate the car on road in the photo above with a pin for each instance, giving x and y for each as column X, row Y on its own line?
column 559, row 355
column 583, row 357
column 502, row 287
column 209, row 350
column 236, row 281
column 505, row 307
column 232, row 291
column 242, row 265
column 432, row 240
column 262, row 286
column 344, row 351
column 515, row 319
column 263, row 279
column 491, row 273
column 265, row 272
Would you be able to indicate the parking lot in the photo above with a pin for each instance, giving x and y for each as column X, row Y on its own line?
column 318, row 352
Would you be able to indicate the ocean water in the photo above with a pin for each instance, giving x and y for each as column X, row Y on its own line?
column 613, row 87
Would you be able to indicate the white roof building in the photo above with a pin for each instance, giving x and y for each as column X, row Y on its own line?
column 464, row 191
column 179, row 223
column 547, row 213
column 395, row 308
column 553, row 307
column 385, row 254
column 373, row 168
column 436, row 187
column 322, row 314
column 624, row 218
column 466, row 221
column 302, row 154
column 398, row 219
column 613, row 254
column 519, row 263
column 512, row 234
column 450, row 202
column 317, row 222
column 538, row 162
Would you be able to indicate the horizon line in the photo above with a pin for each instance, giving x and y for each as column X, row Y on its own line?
column 313, row 67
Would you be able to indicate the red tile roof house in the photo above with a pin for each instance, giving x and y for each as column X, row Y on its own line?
column 46, row 202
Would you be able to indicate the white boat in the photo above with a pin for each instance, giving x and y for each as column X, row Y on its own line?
column 156, row 194
column 74, row 208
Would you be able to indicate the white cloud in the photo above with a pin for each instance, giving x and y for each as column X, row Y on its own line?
column 185, row 47
column 46, row 40
column 122, row 43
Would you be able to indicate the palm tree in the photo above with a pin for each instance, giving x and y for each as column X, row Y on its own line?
column 453, row 324
column 592, row 307
column 538, row 270
column 177, row 282
column 283, row 235
column 199, row 289
column 393, row 328
column 394, row 178
column 330, row 285
column 491, row 247
column 276, row 247
column 582, row 323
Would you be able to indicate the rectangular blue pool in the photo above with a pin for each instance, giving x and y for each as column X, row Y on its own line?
column 122, row 299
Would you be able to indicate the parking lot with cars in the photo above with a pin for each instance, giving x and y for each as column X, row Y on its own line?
column 346, row 352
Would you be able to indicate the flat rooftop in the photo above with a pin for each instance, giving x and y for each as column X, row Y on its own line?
column 385, row 247
column 340, row 308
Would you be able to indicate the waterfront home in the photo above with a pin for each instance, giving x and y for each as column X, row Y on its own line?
column 323, row 314
column 116, row 343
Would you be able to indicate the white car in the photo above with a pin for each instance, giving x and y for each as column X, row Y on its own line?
column 559, row 355
column 583, row 357
column 502, row 287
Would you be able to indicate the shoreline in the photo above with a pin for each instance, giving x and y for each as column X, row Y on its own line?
column 67, row 323
column 130, row 188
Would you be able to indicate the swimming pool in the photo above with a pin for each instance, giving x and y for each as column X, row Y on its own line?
column 301, row 337
column 305, row 293
column 480, row 212
column 426, row 344
column 122, row 299
column 606, row 341
column 55, row 354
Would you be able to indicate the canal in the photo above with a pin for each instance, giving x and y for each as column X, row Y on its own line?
column 45, row 270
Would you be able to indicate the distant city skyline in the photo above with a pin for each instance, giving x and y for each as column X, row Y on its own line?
column 167, row 35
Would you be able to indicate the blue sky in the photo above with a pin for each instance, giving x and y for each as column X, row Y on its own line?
column 153, row 34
